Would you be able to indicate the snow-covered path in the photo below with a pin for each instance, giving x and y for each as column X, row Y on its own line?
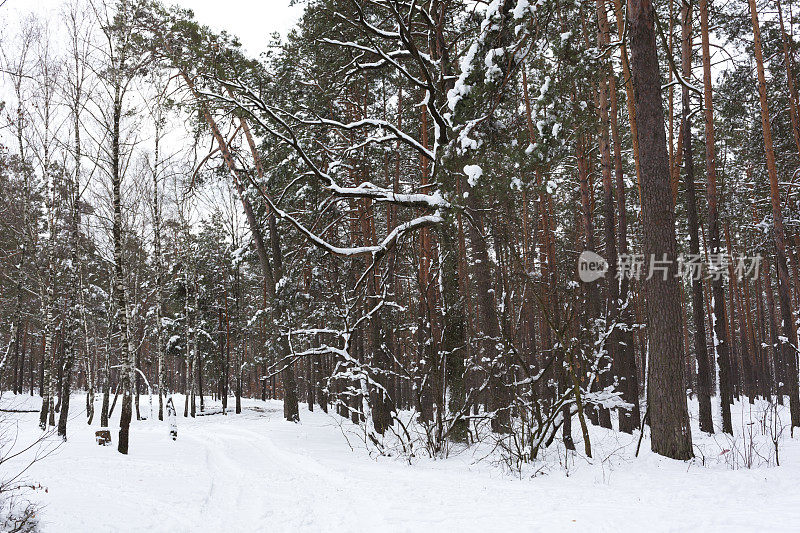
column 255, row 472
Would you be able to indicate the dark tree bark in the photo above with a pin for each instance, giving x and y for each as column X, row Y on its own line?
column 612, row 283
column 721, row 344
column 596, row 414
column 698, row 319
column 626, row 358
column 668, row 413
column 488, row 321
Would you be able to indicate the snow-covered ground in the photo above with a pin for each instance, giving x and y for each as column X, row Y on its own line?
column 256, row 472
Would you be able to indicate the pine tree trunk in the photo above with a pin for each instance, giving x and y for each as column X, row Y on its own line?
column 700, row 347
column 612, row 283
column 591, row 290
column 629, row 380
column 721, row 340
column 668, row 413
column 788, row 339
column 629, row 91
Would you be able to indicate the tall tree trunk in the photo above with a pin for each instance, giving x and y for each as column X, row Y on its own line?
column 126, row 350
column 700, row 347
column 291, row 409
column 48, row 389
column 629, row 380
column 158, row 264
column 197, row 364
column 612, row 283
column 73, row 322
column 592, row 291
column 721, row 343
column 105, row 372
column 668, row 413
column 187, row 327
column 91, row 369
column 789, row 338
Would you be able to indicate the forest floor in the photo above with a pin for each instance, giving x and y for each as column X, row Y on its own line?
column 256, row 472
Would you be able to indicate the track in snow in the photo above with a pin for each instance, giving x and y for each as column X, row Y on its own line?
column 256, row 472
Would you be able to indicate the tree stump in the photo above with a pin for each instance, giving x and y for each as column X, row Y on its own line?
column 103, row 437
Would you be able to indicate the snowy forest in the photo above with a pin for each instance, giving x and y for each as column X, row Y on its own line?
column 547, row 251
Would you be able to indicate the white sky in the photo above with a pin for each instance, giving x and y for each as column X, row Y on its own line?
column 251, row 20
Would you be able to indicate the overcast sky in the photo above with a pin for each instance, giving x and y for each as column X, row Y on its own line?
column 251, row 20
